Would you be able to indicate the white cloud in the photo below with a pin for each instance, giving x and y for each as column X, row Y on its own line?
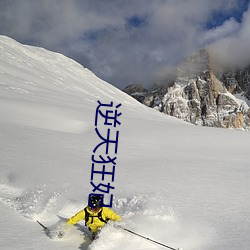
column 97, row 32
column 228, row 28
column 233, row 50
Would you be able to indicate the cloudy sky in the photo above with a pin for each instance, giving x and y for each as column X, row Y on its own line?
column 131, row 41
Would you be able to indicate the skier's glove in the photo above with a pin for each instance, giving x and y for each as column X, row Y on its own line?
column 62, row 230
column 60, row 233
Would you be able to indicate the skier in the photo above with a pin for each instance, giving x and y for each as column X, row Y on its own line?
column 95, row 217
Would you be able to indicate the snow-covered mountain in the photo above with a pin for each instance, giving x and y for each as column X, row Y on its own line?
column 201, row 96
column 182, row 185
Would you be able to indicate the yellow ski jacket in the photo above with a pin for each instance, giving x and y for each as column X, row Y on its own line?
column 94, row 223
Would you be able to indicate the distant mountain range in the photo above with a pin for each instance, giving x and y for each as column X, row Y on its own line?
column 201, row 94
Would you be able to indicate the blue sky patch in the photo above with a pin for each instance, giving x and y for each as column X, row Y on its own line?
column 136, row 21
column 219, row 17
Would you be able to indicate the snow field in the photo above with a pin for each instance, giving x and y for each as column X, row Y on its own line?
column 182, row 185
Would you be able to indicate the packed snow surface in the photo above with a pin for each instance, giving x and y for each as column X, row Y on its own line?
column 182, row 185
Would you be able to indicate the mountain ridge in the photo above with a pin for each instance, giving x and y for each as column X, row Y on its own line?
column 200, row 95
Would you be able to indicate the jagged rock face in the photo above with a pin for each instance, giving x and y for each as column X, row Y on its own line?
column 133, row 88
column 237, row 81
column 205, row 102
column 136, row 90
column 199, row 97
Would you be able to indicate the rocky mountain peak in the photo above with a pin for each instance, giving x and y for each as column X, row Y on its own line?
column 196, row 64
column 200, row 96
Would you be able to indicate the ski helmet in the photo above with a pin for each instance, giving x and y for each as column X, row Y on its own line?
column 95, row 201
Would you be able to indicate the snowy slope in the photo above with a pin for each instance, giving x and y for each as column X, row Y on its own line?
column 182, row 185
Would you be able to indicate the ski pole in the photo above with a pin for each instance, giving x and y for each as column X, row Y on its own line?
column 45, row 228
column 159, row 243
